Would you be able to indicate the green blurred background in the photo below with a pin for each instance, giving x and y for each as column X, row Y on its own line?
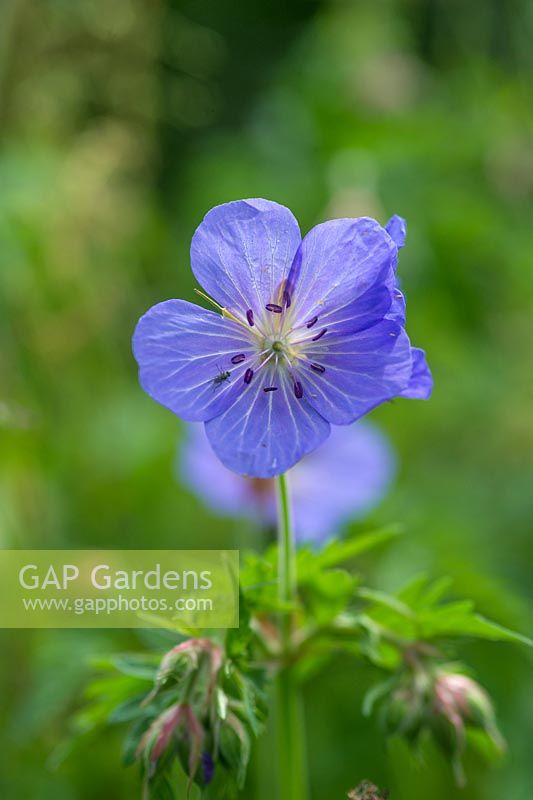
column 121, row 123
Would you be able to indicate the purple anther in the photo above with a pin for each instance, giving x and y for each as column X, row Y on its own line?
column 208, row 767
column 274, row 308
column 250, row 317
column 248, row 375
column 270, row 389
column 238, row 359
column 312, row 322
column 287, row 298
column 318, row 368
column 319, row 335
column 298, row 390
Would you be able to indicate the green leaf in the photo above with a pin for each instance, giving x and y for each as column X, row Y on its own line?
column 388, row 601
column 142, row 666
column 459, row 619
column 160, row 789
column 340, row 551
column 417, row 612
column 374, row 694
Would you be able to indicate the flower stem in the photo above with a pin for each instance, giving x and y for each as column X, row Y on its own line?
column 290, row 738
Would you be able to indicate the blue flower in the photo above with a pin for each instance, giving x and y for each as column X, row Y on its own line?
column 310, row 333
column 342, row 480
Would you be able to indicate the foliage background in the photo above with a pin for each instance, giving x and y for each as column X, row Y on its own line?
column 121, row 124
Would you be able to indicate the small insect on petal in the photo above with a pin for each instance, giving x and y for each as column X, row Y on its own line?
column 319, row 335
column 270, row 389
column 274, row 308
column 238, row 359
column 248, row 375
column 250, row 317
column 298, row 390
column 312, row 322
column 318, row 368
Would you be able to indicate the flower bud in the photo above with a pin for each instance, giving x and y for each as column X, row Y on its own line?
column 463, row 703
column 404, row 710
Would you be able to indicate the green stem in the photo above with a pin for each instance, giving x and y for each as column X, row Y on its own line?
column 290, row 739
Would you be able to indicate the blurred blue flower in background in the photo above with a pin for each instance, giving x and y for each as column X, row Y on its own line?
column 311, row 334
column 342, row 480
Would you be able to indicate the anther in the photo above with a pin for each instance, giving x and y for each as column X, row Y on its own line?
column 250, row 317
column 274, row 308
column 238, row 359
column 298, row 390
column 248, row 375
column 319, row 335
column 286, row 298
column 270, row 389
column 312, row 322
column 318, row 368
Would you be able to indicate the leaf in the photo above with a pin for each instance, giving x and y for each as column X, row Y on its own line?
column 128, row 710
column 326, row 594
column 416, row 611
column 459, row 619
column 374, row 694
column 388, row 601
column 340, row 551
column 160, row 789
column 132, row 740
column 142, row 666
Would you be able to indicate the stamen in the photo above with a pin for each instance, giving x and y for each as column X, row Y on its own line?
column 274, row 308
column 270, row 389
column 312, row 322
column 248, row 375
column 318, row 368
column 298, row 390
column 286, row 298
column 319, row 335
column 238, row 359
column 250, row 317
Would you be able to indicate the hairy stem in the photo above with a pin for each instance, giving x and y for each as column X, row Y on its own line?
column 290, row 734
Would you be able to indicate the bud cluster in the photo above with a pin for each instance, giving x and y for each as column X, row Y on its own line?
column 205, row 711
column 444, row 702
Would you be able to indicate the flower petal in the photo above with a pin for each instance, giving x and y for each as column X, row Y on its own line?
column 361, row 371
column 337, row 262
column 242, row 252
column 357, row 315
column 181, row 349
column 397, row 309
column 396, row 227
column 264, row 434
column 420, row 383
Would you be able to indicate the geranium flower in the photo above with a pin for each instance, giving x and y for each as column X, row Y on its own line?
column 310, row 333
column 353, row 468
